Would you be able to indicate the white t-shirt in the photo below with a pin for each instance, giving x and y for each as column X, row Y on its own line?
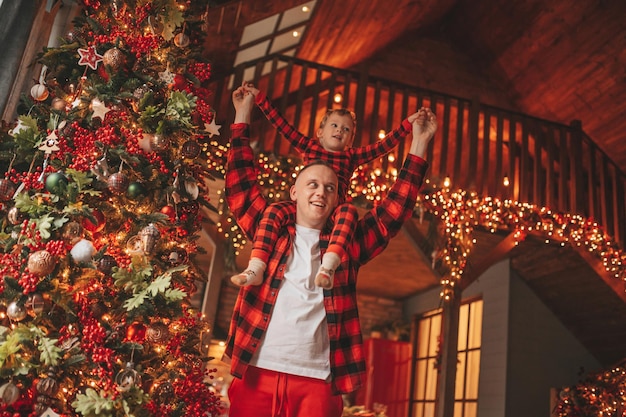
column 296, row 341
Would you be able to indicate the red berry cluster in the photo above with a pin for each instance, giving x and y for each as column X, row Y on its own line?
column 196, row 394
column 58, row 248
column 28, row 281
column 30, row 180
column 201, row 70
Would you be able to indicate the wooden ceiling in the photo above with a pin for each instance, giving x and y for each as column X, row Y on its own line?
column 558, row 60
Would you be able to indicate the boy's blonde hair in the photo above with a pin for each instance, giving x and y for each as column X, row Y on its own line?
column 340, row 112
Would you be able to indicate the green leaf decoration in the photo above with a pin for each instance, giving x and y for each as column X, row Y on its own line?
column 11, row 346
column 160, row 284
column 92, row 404
column 50, row 352
column 136, row 300
column 175, row 294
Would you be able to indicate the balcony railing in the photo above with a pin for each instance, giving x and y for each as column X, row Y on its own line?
column 477, row 146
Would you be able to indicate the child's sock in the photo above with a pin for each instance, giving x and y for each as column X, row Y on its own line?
column 326, row 273
column 253, row 274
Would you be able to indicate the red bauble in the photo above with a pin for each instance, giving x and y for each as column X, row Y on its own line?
column 98, row 225
column 136, row 332
column 170, row 212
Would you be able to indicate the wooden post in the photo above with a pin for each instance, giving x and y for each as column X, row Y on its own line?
column 450, row 336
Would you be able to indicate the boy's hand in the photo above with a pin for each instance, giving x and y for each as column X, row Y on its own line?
column 249, row 88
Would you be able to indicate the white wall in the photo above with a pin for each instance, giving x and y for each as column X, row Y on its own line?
column 525, row 349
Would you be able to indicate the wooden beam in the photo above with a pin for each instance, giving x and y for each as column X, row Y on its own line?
column 615, row 284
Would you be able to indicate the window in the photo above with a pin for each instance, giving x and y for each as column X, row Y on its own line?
column 426, row 345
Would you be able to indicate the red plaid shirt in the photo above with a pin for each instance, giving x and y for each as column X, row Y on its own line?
column 343, row 163
column 254, row 305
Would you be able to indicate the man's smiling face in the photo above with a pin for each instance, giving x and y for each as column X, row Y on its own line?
column 315, row 194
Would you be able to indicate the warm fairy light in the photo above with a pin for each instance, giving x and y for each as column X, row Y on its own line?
column 306, row 9
column 337, row 98
column 505, row 181
column 295, row 33
column 446, row 182
column 381, row 134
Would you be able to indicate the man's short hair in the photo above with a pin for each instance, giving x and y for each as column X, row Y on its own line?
column 316, row 162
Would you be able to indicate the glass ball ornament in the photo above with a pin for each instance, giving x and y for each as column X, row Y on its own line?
column 9, row 393
column 48, row 386
column 191, row 149
column 158, row 332
column 41, row 262
column 7, row 189
column 39, row 92
column 163, row 392
column 72, row 232
column 136, row 190
column 58, row 104
column 56, row 182
column 149, row 236
column 159, row 143
column 15, row 216
column 118, row 183
column 35, row 304
column 16, row 311
column 96, row 224
column 181, row 40
column 113, row 58
column 136, row 332
column 127, row 378
column 106, row 264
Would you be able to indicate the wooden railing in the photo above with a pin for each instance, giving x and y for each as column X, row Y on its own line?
column 477, row 146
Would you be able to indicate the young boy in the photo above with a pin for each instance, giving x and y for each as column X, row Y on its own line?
column 335, row 136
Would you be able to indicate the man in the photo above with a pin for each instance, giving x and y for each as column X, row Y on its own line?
column 295, row 348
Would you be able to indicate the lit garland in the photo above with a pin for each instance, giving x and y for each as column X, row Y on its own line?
column 460, row 212
column 601, row 394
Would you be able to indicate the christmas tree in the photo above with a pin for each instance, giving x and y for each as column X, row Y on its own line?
column 105, row 172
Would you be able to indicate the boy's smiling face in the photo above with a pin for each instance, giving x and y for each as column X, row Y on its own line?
column 337, row 133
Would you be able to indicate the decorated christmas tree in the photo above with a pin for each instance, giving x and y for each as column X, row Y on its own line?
column 105, row 170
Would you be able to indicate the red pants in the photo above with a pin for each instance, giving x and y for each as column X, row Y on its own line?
column 263, row 393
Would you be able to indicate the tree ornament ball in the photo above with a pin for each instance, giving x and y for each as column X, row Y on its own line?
column 159, row 143
column 58, row 104
column 15, row 216
column 127, row 378
column 9, row 393
column 7, row 189
column 16, row 311
column 72, row 232
column 106, row 264
column 35, row 304
column 118, row 183
column 191, row 149
column 149, row 236
column 181, row 40
column 136, row 190
column 39, row 92
column 136, row 332
column 48, row 386
column 170, row 212
column 100, row 222
column 163, row 392
column 113, row 58
column 83, row 251
column 158, row 332
column 41, row 263
column 56, row 182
